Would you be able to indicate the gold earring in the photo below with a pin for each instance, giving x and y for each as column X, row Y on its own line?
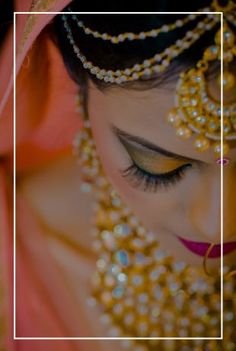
column 85, row 151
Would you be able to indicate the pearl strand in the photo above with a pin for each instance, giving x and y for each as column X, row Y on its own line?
column 153, row 33
column 156, row 64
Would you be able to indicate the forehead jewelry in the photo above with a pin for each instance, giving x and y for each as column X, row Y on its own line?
column 196, row 113
column 130, row 36
column 148, row 67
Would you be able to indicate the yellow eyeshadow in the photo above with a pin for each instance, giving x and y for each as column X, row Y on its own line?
column 150, row 161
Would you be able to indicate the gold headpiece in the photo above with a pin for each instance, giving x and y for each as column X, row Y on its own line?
column 153, row 33
column 150, row 66
column 195, row 110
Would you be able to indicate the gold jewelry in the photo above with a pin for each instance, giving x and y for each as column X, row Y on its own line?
column 210, row 248
column 156, row 64
column 206, row 271
column 230, row 6
column 116, row 39
column 139, row 288
column 195, row 111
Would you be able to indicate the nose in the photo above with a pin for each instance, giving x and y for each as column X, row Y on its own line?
column 205, row 210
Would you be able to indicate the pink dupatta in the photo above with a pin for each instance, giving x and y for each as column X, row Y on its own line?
column 46, row 123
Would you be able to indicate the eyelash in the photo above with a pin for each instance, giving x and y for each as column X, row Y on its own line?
column 153, row 182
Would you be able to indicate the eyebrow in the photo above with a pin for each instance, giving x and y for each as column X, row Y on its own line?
column 148, row 145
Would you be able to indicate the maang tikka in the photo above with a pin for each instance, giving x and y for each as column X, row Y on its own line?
column 196, row 113
column 140, row 290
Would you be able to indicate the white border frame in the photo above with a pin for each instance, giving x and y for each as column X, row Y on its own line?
column 15, row 337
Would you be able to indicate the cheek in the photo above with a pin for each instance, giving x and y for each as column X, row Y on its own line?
column 154, row 210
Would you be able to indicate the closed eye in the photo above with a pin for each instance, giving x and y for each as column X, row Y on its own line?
column 140, row 178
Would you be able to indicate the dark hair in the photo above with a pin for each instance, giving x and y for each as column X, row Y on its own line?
column 6, row 18
column 110, row 56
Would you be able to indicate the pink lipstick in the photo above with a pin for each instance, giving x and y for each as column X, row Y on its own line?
column 200, row 248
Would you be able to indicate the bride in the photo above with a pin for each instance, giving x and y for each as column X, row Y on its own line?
column 126, row 243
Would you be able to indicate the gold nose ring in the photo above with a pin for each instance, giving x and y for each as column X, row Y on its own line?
column 207, row 254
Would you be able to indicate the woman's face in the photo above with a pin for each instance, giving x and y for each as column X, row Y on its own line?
column 182, row 197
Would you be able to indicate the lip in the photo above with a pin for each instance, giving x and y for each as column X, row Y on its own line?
column 200, row 248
